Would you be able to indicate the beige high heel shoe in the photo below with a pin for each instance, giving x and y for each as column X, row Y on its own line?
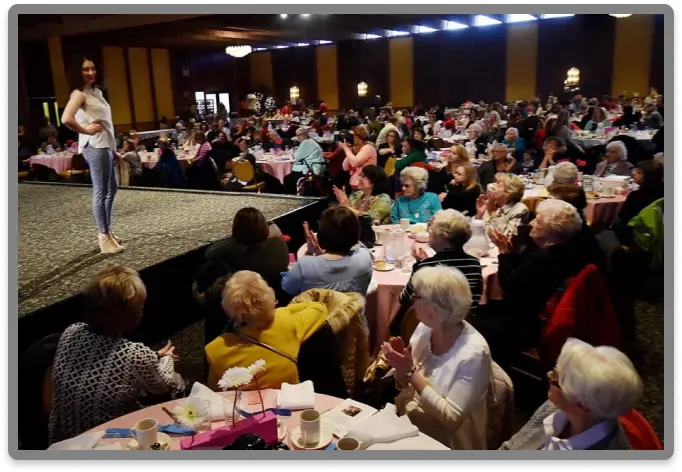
column 116, row 239
column 107, row 245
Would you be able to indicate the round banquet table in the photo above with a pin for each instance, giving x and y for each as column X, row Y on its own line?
column 277, row 166
column 382, row 304
column 323, row 403
column 59, row 162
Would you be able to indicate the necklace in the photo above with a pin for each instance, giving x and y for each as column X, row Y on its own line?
column 411, row 211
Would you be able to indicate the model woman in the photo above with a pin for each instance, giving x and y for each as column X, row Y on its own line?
column 96, row 142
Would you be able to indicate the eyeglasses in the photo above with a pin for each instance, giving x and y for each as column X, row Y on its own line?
column 553, row 377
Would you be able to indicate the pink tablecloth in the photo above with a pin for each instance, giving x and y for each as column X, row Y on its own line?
column 382, row 305
column 323, row 403
column 601, row 212
column 59, row 164
column 279, row 169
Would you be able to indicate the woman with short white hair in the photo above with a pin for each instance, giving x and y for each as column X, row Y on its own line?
column 515, row 143
column 444, row 373
column 529, row 282
column 501, row 207
column 448, row 233
column 494, row 131
column 616, row 162
column 590, row 387
column 565, row 173
column 415, row 204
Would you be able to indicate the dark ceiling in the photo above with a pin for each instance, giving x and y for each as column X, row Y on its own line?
column 209, row 31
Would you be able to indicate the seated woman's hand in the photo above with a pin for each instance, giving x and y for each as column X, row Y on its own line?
column 313, row 245
column 442, row 195
column 341, row 195
column 400, row 360
column 419, row 254
column 481, row 205
column 385, row 151
column 502, row 242
column 168, row 350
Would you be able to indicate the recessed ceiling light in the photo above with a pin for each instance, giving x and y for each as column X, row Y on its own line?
column 305, row 16
column 282, row 47
column 283, row 16
column 322, row 41
column 621, row 15
column 519, row 18
column 425, row 29
column 302, row 44
column 556, row 15
column 392, row 33
column 453, row 25
column 482, row 20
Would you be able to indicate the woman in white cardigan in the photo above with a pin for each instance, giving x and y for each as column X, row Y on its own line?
column 444, row 374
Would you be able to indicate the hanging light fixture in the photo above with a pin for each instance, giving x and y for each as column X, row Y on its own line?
column 294, row 94
column 238, row 51
column 572, row 79
column 620, row 15
column 362, row 89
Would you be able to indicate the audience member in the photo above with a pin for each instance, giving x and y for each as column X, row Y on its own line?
column 361, row 154
column 616, row 162
column 371, row 197
column 415, row 204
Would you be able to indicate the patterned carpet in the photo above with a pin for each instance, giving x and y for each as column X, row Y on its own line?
column 647, row 357
column 58, row 238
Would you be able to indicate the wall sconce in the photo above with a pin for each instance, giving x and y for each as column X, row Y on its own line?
column 572, row 80
column 362, row 89
column 294, row 94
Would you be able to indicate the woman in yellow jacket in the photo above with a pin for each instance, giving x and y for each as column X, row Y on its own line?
column 250, row 303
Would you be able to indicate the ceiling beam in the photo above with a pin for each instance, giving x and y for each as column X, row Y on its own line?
column 72, row 25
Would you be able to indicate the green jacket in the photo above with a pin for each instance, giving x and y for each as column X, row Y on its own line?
column 414, row 156
column 647, row 230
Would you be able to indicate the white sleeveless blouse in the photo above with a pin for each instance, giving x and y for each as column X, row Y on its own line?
column 96, row 108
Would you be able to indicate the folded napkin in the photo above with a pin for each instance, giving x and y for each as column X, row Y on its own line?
column 382, row 427
column 84, row 442
column 163, row 428
column 296, row 397
column 202, row 392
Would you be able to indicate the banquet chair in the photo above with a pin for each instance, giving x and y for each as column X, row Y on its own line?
column 580, row 309
column 639, row 432
column 35, row 392
column 79, row 170
column 437, row 143
column 389, row 168
column 244, row 171
column 23, row 175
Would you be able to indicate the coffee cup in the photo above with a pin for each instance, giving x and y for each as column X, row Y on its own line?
column 405, row 224
column 348, row 444
column 146, row 432
column 607, row 191
column 310, row 426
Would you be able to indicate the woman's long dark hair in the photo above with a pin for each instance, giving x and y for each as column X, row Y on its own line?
column 75, row 73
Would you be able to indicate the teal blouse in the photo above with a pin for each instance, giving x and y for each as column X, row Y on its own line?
column 418, row 210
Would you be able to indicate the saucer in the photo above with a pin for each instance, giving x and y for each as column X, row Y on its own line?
column 162, row 438
column 281, row 431
column 383, row 266
column 326, row 438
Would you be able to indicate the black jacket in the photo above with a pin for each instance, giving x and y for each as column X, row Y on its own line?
column 487, row 171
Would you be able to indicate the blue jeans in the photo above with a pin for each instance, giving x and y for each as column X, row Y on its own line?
column 103, row 175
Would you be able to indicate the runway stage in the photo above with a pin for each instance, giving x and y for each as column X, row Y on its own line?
column 165, row 232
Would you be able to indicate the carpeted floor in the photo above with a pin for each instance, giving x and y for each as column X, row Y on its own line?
column 647, row 357
column 58, row 238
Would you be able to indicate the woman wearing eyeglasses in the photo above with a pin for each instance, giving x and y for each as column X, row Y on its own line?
column 590, row 387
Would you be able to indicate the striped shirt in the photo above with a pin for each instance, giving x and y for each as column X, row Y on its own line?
column 450, row 257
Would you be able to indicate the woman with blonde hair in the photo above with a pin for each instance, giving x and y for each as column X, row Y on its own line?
column 589, row 388
column 98, row 375
column 444, row 373
column 501, row 207
column 249, row 303
column 453, row 158
column 462, row 191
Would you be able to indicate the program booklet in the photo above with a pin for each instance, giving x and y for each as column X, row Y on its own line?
column 340, row 418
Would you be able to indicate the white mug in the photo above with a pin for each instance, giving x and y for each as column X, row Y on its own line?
column 405, row 224
column 146, row 432
column 607, row 191
column 310, row 426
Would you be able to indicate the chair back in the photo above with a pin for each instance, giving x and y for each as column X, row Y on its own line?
column 639, row 432
column 501, row 409
column 320, row 362
column 78, row 162
column 244, row 171
column 35, row 392
column 583, row 311
column 438, row 143
column 389, row 168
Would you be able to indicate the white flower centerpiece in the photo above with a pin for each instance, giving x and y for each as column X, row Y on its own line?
column 235, row 378
column 191, row 413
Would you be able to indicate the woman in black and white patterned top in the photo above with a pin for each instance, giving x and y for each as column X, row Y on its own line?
column 97, row 374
